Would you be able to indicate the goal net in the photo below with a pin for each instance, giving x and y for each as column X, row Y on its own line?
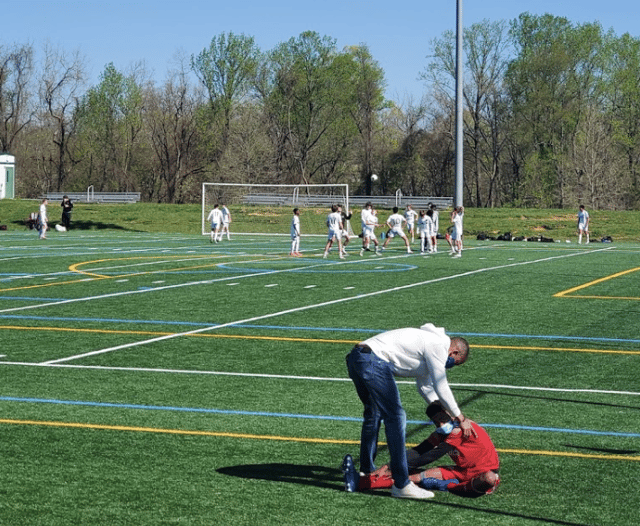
column 252, row 197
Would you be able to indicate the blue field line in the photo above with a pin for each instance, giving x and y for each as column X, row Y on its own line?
column 314, row 329
column 616, row 434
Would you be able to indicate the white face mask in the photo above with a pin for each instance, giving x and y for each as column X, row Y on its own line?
column 445, row 429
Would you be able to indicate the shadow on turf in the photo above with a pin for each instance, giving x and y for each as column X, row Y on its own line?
column 320, row 476
column 480, row 394
column 331, row 478
column 88, row 225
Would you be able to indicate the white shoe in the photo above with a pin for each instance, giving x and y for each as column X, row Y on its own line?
column 457, row 255
column 411, row 491
column 409, row 251
column 361, row 252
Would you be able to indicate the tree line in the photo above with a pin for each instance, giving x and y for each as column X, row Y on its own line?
column 552, row 119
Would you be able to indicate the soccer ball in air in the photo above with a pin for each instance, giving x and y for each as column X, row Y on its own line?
column 374, row 177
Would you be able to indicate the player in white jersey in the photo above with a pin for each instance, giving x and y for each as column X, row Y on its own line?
column 456, row 235
column 436, row 226
column 295, row 233
column 226, row 220
column 583, row 224
column 395, row 222
column 215, row 216
column 410, row 216
column 334, row 224
column 43, row 219
column 369, row 222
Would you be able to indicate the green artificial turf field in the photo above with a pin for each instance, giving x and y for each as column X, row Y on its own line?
column 152, row 378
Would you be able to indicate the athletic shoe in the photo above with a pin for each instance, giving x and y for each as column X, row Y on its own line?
column 351, row 476
column 361, row 252
column 409, row 251
column 457, row 255
column 411, row 491
column 324, row 256
column 435, row 484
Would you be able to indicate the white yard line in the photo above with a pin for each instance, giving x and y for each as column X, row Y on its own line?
column 303, row 308
column 309, row 378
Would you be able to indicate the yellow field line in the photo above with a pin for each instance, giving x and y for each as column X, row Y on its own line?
column 303, row 340
column 94, row 276
column 565, row 293
column 160, row 333
column 220, row 434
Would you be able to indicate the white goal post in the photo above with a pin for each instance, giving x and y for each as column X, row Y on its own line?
column 289, row 195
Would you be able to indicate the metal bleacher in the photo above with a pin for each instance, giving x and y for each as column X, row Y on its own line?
column 355, row 201
column 95, row 197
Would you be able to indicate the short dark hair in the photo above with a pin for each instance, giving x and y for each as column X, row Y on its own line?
column 395, row 209
column 463, row 346
column 434, row 408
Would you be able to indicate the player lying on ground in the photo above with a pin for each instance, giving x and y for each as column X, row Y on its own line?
column 476, row 461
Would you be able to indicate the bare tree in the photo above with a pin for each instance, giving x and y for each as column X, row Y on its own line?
column 60, row 84
column 16, row 69
column 171, row 116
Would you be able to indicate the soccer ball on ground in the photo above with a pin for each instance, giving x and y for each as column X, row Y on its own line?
column 374, row 177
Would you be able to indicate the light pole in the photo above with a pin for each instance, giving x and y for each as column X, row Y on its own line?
column 459, row 107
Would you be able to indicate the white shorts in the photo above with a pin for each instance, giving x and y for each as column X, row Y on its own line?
column 395, row 232
column 584, row 227
column 334, row 233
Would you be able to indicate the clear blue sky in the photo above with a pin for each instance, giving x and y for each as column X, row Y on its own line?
column 397, row 33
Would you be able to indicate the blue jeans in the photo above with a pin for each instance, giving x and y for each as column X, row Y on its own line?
column 377, row 389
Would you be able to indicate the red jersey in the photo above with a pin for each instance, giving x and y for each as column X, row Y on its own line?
column 475, row 454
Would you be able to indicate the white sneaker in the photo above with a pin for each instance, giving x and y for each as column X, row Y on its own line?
column 361, row 252
column 457, row 255
column 409, row 251
column 411, row 491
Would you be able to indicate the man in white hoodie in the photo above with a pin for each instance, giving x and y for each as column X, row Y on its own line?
column 423, row 354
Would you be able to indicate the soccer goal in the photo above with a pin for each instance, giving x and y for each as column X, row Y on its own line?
column 270, row 195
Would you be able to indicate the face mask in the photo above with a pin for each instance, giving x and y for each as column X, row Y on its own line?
column 445, row 429
column 451, row 361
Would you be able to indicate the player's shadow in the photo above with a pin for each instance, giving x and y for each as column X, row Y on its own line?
column 319, row 476
column 331, row 478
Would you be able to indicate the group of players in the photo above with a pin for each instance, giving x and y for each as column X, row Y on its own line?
column 426, row 225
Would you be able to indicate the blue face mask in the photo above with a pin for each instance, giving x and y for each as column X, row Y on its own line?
column 451, row 361
column 445, row 429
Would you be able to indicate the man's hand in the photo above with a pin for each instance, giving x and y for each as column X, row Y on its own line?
column 465, row 425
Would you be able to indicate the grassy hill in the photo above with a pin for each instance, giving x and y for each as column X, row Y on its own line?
column 186, row 219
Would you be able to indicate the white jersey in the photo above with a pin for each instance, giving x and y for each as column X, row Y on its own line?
column 422, row 225
column 457, row 224
column 420, row 354
column 410, row 216
column 43, row 213
column 583, row 220
column 334, row 222
column 226, row 215
column 436, row 221
column 395, row 221
column 295, row 226
column 215, row 216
